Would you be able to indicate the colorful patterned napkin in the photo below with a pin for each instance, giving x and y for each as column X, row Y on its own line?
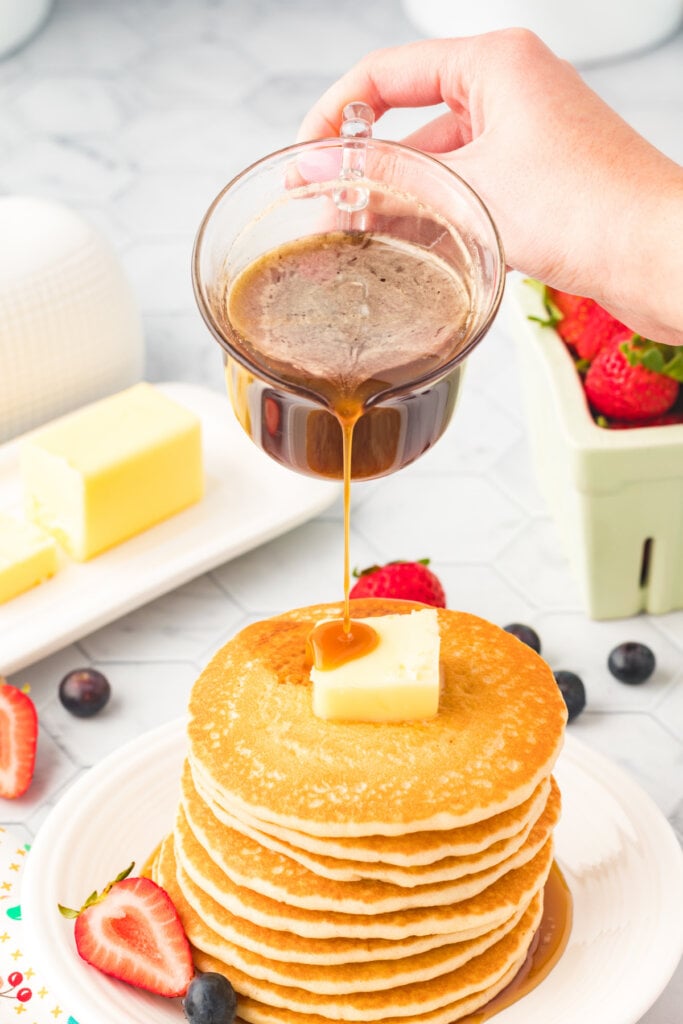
column 23, row 996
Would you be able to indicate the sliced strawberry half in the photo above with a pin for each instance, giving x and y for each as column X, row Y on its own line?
column 132, row 932
column 18, row 740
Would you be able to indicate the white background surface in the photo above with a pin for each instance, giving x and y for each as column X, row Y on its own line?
column 135, row 112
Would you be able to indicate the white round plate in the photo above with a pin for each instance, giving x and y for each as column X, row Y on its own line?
column 620, row 858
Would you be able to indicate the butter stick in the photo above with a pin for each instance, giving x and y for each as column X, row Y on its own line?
column 27, row 557
column 109, row 471
column 397, row 681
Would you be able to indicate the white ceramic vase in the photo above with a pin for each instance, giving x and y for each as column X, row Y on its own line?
column 19, row 20
column 70, row 329
column 583, row 31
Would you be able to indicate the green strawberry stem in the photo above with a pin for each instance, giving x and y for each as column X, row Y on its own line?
column 95, row 897
column 666, row 360
column 554, row 314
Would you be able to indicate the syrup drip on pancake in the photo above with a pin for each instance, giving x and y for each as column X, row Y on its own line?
column 546, row 949
column 332, row 644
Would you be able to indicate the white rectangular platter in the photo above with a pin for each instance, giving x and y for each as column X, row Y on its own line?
column 249, row 499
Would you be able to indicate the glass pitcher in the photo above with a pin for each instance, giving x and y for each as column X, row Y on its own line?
column 346, row 281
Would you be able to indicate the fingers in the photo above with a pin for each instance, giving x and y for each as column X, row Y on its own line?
column 442, row 135
column 472, row 75
column 416, row 75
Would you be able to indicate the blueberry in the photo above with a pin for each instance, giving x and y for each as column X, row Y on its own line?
column 84, row 692
column 526, row 634
column 573, row 691
column 210, row 999
column 631, row 663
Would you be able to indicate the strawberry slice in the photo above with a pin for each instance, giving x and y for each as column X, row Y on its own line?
column 132, row 932
column 18, row 740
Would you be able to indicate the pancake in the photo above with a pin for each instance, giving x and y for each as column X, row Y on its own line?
column 356, row 871
column 286, row 946
column 254, row 738
column 479, row 973
column 451, row 865
column 493, row 905
column 400, row 850
column 372, row 975
column 250, row 865
column 254, row 1012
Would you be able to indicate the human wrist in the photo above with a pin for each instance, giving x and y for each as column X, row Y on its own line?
column 643, row 281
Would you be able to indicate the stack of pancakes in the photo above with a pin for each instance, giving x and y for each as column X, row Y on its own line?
column 365, row 871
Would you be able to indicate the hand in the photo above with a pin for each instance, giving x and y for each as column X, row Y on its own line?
column 581, row 200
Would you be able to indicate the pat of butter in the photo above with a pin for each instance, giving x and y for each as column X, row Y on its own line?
column 27, row 557
column 398, row 681
column 108, row 471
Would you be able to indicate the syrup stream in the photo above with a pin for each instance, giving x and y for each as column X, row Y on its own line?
column 347, row 442
column 334, row 643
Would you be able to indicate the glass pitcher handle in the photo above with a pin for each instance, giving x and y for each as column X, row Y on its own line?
column 356, row 129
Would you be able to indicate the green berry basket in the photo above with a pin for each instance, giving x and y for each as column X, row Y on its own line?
column 616, row 495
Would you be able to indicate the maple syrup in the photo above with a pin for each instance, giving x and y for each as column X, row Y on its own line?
column 346, row 323
column 331, row 644
column 546, row 948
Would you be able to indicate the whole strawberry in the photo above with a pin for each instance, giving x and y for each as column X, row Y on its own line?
column 600, row 330
column 674, row 418
column 619, row 390
column 132, row 931
column 583, row 324
column 568, row 314
column 18, row 740
column 406, row 581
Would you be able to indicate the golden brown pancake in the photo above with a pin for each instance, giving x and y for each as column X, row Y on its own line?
column 451, row 865
column 254, row 1012
column 401, row 850
column 477, row 974
column 371, row 975
column 361, row 871
column 250, row 865
column 291, row 948
column 255, row 740
column 493, row 905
